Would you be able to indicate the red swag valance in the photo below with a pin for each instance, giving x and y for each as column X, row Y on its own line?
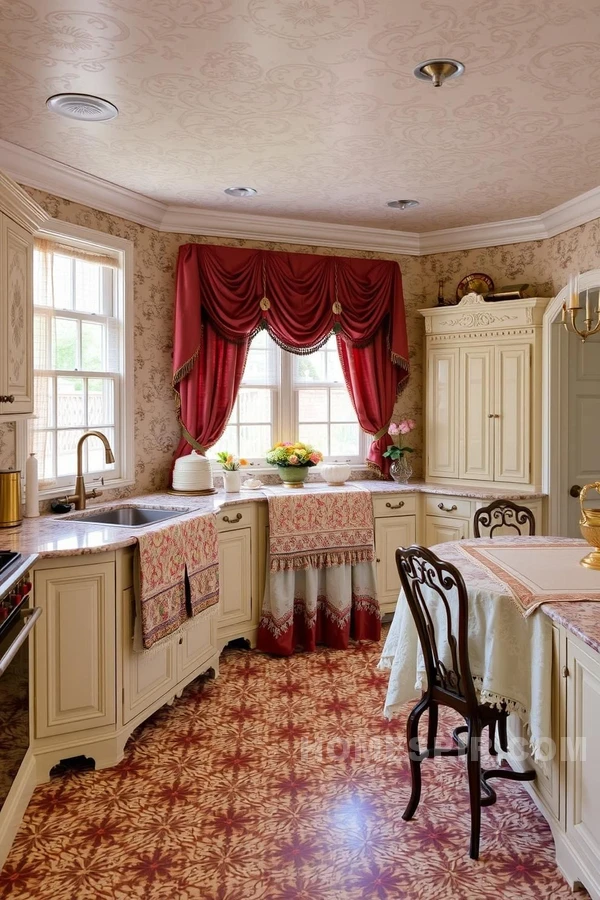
column 224, row 295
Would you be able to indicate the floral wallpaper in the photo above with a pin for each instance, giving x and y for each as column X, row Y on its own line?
column 544, row 265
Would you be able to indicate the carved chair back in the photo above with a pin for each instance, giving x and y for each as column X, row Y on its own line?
column 438, row 601
column 503, row 514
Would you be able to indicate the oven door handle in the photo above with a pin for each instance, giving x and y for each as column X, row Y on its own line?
column 31, row 616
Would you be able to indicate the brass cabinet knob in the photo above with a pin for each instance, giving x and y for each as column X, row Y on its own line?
column 575, row 490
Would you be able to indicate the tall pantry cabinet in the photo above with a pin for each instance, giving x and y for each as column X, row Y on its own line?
column 483, row 393
column 20, row 218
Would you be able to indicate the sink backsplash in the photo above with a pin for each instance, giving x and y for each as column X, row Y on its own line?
column 7, row 445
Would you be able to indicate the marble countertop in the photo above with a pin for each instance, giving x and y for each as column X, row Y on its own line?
column 580, row 618
column 63, row 535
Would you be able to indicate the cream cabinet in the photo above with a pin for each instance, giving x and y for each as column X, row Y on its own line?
column 391, row 533
column 583, row 774
column 483, row 392
column 242, row 563
column 75, row 648
column 20, row 217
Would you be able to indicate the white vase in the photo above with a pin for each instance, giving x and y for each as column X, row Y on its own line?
column 232, row 481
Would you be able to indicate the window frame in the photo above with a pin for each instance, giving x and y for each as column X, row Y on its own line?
column 285, row 416
column 80, row 237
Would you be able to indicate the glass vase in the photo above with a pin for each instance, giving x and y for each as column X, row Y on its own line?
column 401, row 470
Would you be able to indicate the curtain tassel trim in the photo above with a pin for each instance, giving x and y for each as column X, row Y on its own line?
column 186, row 368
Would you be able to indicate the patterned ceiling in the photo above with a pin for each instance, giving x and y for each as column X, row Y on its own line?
column 313, row 102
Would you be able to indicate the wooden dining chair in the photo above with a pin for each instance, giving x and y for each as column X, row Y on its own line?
column 426, row 579
column 503, row 513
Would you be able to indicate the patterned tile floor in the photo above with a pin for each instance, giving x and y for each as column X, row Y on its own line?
column 279, row 781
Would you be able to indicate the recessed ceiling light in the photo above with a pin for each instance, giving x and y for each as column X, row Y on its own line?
column 84, row 107
column 403, row 204
column 241, row 191
column 439, row 70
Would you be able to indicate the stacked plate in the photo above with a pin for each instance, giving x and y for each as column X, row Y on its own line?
column 192, row 473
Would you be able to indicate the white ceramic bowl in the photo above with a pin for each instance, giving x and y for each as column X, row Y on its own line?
column 335, row 473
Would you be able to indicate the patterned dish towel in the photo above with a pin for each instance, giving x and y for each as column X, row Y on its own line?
column 321, row 586
column 177, row 575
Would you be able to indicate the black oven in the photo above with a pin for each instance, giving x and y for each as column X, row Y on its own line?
column 17, row 620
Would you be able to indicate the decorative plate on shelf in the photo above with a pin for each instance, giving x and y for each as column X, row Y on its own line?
column 477, row 282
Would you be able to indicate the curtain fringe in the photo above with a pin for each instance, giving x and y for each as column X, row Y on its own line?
column 399, row 361
column 186, row 368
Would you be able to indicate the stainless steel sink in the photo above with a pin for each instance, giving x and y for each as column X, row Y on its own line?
column 128, row 516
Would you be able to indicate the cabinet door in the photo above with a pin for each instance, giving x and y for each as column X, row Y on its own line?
column 75, row 649
column 476, row 461
column 439, row 529
column 235, row 578
column 16, row 311
column 442, row 413
column 512, row 411
column 146, row 676
column 196, row 646
column 583, row 772
column 391, row 533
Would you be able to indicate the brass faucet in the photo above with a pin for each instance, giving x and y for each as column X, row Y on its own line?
column 80, row 495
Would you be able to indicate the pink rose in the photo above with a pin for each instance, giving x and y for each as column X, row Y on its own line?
column 406, row 425
column 315, row 457
column 394, row 428
column 293, row 460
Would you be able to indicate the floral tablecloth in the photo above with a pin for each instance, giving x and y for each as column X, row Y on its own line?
column 321, row 586
column 510, row 653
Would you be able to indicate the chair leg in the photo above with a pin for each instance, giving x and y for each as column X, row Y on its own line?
column 502, row 733
column 474, row 775
column 492, row 739
column 432, row 728
column 412, row 740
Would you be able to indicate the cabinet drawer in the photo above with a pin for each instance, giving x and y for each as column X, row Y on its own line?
column 237, row 516
column 394, row 505
column 437, row 505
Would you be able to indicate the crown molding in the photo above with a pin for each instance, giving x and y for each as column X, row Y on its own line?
column 35, row 170
column 19, row 206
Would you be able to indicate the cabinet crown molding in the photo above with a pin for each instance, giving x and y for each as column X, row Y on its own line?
column 474, row 312
column 18, row 205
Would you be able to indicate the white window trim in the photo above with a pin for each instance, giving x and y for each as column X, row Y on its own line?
column 79, row 236
column 285, row 419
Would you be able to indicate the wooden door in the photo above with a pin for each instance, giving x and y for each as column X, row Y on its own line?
column 16, row 318
column 583, row 458
column 583, row 772
column 439, row 529
column 476, row 455
column 512, row 413
column 442, row 412
column 235, row 578
column 146, row 676
column 74, row 651
column 391, row 533
column 196, row 646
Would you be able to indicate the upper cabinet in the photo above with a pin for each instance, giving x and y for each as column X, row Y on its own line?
column 483, row 390
column 20, row 218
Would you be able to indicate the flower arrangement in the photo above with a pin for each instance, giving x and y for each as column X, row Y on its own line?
column 298, row 454
column 396, row 430
column 229, row 462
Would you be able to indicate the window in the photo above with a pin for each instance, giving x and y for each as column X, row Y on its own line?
column 79, row 339
column 285, row 396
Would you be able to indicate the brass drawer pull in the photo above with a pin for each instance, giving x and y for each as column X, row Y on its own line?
column 395, row 506
column 229, row 521
column 452, row 508
column 7, row 398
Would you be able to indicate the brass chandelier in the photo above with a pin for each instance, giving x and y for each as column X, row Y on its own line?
column 572, row 306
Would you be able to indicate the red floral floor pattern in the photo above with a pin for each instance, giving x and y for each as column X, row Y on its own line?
column 279, row 781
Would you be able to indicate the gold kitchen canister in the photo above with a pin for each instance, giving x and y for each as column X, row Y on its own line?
column 10, row 498
column 590, row 527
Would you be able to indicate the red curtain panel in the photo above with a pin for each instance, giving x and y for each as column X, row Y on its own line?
column 224, row 295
